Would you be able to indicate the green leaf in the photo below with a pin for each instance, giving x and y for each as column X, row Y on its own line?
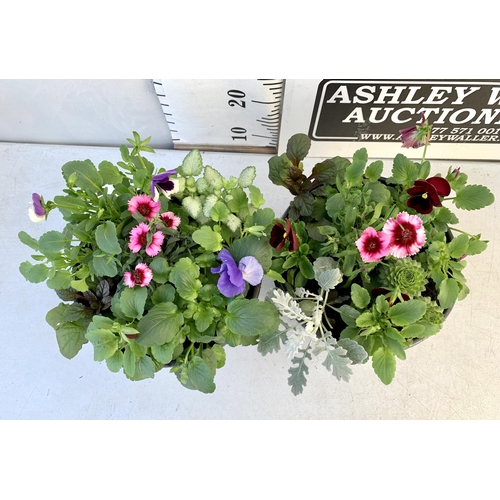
column 448, row 293
column 334, row 204
column 103, row 264
column 60, row 281
column 407, row 312
column 51, row 243
column 384, row 364
column 365, row 320
column 251, row 317
column 163, row 353
column 164, row 293
column 184, row 275
column 208, row 239
column 220, row 355
column 105, row 236
column 210, row 359
column 213, row 177
column 144, row 368
column 306, row 267
column 109, row 173
column 204, row 317
column 297, row 379
column 270, row 342
column 87, row 176
column 247, row 177
column 354, row 351
column 256, row 196
column 70, row 339
column 297, row 148
column 219, row 212
column 404, row 171
column 348, row 315
column 458, row 246
column 354, row 172
column 412, row 331
column 105, row 343
column 192, row 165
column 115, row 362
column 473, row 197
column 255, row 247
column 200, row 376
column 238, row 201
column 129, row 360
column 192, row 206
column 132, row 301
column 395, row 347
column 71, row 203
column 279, row 169
column 160, row 325
column 476, row 246
column 360, row 296
column 34, row 273
column 374, row 170
column 28, row 240
column 303, row 204
column 160, row 268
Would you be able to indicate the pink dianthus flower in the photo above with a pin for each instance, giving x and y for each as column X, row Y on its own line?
column 139, row 238
column 373, row 245
column 406, row 235
column 141, row 276
column 170, row 220
column 145, row 205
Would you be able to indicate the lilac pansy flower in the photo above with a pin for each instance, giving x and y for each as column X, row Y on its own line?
column 232, row 277
column 163, row 182
column 37, row 212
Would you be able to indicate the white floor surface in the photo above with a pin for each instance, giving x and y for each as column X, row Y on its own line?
column 454, row 375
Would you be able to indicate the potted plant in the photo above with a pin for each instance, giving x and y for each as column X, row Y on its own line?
column 155, row 267
column 366, row 267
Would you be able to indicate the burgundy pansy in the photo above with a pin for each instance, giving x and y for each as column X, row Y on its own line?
column 425, row 194
column 280, row 235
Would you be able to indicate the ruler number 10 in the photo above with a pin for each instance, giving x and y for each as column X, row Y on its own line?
column 237, row 100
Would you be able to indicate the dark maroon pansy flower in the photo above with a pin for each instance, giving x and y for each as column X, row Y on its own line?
column 425, row 194
column 280, row 235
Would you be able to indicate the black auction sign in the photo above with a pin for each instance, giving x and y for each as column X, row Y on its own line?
column 461, row 111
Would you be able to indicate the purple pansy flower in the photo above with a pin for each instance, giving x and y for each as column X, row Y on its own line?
column 162, row 182
column 37, row 211
column 414, row 137
column 232, row 277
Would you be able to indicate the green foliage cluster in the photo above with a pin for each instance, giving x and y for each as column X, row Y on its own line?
column 384, row 305
column 180, row 318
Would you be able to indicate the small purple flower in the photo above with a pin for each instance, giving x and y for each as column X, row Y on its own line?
column 37, row 205
column 162, row 182
column 414, row 137
column 232, row 277
column 37, row 211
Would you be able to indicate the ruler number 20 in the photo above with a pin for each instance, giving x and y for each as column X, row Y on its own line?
column 238, row 96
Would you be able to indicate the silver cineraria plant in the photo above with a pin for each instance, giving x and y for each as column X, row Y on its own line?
column 305, row 330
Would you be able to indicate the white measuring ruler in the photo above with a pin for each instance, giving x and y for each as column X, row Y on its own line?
column 223, row 115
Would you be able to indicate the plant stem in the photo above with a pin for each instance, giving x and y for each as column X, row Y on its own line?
column 463, row 232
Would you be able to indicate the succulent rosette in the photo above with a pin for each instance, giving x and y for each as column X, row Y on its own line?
column 374, row 263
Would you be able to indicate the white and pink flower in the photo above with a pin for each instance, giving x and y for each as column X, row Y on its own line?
column 373, row 245
column 170, row 220
column 141, row 276
column 139, row 239
column 406, row 235
column 144, row 205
